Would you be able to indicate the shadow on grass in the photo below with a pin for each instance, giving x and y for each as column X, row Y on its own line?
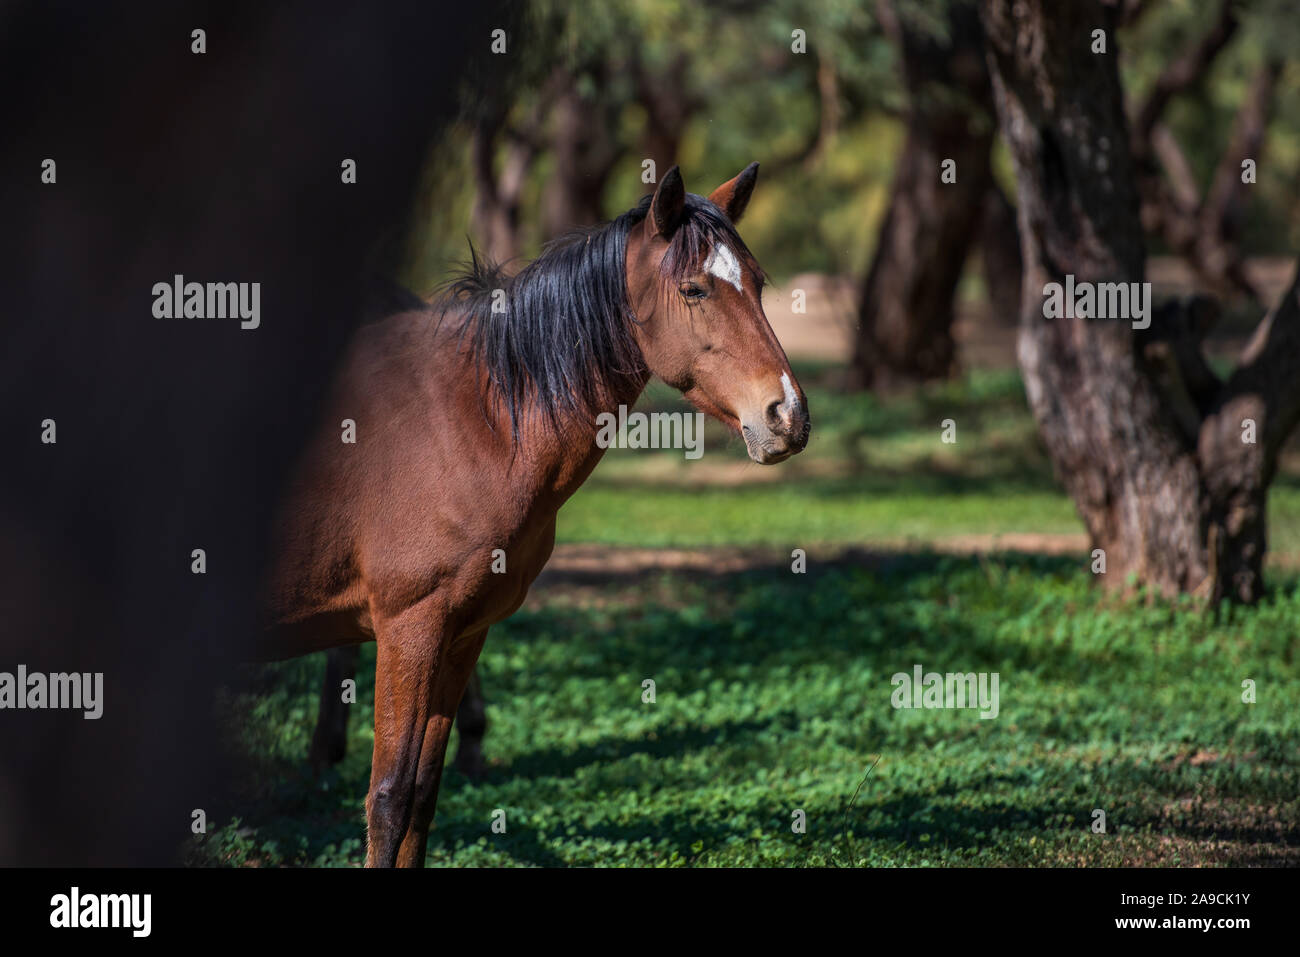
column 865, row 615
column 863, row 603
column 667, row 742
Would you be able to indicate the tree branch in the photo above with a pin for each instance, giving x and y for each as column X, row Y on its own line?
column 827, row 123
column 1172, row 351
column 1182, row 74
column 1221, row 211
column 1184, row 191
column 1203, row 229
column 1268, row 371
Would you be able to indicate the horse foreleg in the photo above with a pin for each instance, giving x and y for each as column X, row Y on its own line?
column 471, row 722
column 407, row 671
column 458, row 666
column 329, row 741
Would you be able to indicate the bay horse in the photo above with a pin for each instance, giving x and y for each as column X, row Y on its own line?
column 475, row 420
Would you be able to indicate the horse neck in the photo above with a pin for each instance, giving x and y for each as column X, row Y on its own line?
column 561, row 460
column 579, row 431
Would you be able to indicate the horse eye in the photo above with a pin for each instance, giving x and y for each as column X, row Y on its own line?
column 692, row 291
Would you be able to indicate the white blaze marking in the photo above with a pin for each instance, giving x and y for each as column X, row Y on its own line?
column 791, row 399
column 722, row 263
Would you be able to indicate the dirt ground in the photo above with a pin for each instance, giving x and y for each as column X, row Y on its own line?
column 577, row 560
column 581, row 572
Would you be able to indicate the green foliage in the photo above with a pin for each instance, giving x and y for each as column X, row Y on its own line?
column 773, row 694
column 1201, row 118
column 756, row 100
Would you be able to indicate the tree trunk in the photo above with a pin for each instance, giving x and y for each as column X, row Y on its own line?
column 585, row 153
column 668, row 105
column 999, row 249
column 1145, row 439
column 1265, row 389
column 906, row 310
column 495, row 217
column 498, row 195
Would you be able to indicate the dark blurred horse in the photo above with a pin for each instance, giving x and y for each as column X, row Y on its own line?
column 174, row 435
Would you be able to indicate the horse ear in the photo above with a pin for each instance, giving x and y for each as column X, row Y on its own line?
column 668, row 203
column 733, row 196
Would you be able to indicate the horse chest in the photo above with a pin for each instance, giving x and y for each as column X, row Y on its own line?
column 496, row 595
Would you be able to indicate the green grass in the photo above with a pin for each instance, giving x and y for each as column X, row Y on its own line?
column 773, row 694
column 780, row 515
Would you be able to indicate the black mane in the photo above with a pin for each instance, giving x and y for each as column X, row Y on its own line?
column 566, row 338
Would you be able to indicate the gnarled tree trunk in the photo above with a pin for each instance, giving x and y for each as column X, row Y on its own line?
column 906, row 309
column 1146, row 440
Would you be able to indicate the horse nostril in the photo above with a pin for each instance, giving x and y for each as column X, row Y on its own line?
column 774, row 417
